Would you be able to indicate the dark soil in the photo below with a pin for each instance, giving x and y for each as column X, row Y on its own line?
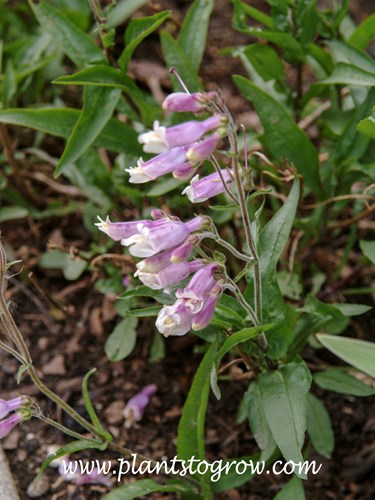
column 67, row 342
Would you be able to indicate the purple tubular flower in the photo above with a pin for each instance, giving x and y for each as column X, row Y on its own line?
column 174, row 320
column 179, row 101
column 204, row 316
column 195, row 294
column 184, row 172
column 160, row 235
column 183, row 251
column 13, row 404
column 202, row 189
column 9, row 423
column 119, row 230
column 161, row 138
column 158, row 166
column 172, row 274
column 136, row 406
column 201, row 150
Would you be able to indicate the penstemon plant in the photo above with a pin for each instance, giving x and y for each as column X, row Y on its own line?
column 229, row 286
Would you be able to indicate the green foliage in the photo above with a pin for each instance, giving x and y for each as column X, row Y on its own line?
column 122, row 340
column 319, row 427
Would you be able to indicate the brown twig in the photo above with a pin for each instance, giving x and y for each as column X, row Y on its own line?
column 353, row 220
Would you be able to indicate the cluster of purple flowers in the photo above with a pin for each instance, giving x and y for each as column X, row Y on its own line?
column 18, row 410
column 166, row 243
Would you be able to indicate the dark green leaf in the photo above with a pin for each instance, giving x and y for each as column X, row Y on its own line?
column 193, row 33
column 190, row 440
column 138, row 29
column 266, row 62
column 72, row 447
column 121, row 342
column 175, row 56
column 367, row 127
column 116, row 136
column 319, row 426
column 282, row 137
column 343, row 383
column 284, row 393
column 89, row 407
column 358, row 353
column 146, row 312
column 98, row 106
column 241, row 10
column 144, row 291
column 76, row 44
column 231, row 479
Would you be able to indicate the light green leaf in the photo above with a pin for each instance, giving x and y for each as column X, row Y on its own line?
column 121, row 342
column 348, row 74
column 145, row 312
column 282, row 137
column 12, row 213
column 364, row 33
column 343, row 383
column 72, row 268
column 165, row 186
column 258, row 422
column 138, row 29
column 241, row 10
column 292, row 490
column 193, row 33
column 350, row 310
column 116, row 136
column 98, row 106
column 175, row 56
column 367, row 127
column 190, row 439
column 319, row 426
column 358, row 353
column 343, row 52
column 368, row 247
column 138, row 489
column 285, row 41
column 284, row 393
column 123, row 10
column 76, row 44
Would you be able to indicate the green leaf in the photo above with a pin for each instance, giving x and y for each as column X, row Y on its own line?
column 175, row 56
column 364, row 33
column 241, row 10
column 76, row 44
column 368, row 247
column 165, row 186
column 233, row 340
column 230, row 479
column 121, row 342
column 193, row 33
column 145, row 312
column 358, row 353
column 144, row 291
column 12, row 213
column 190, row 439
column 258, row 422
column 350, row 310
column 292, row 490
column 342, row 52
column 343, row 383
column 282, row 137
column 123, row 10
column 98, row 106
column 138, row 29
column 319, row 426
column 90, row 409
column 116, row 136
column 73, row 447
column 266, row 62
column 284, row 393
column 367, row 127
column 275, row 234
column 348, row 74
column 138, row 489
column 72, row 268
column 293, row 51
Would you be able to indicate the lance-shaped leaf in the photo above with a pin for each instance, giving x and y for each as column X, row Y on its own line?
column 116, row 136
column 75, row 43
column 193, row 34
column 282, row 137
column 284, row 393
column 98, row 106
column 319, row 426
column 143, row 487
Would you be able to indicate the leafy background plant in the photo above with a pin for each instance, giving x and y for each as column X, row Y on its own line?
column 309, row 75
